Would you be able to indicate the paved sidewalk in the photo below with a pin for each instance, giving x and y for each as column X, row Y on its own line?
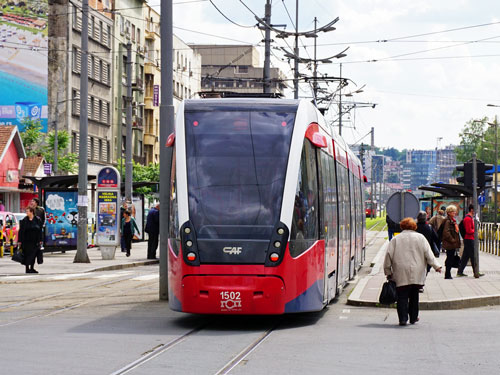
column 439, row 294
column 61, row 263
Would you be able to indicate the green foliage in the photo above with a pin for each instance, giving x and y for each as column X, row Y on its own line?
column 32, row 136
column 142, row 173
column 471, row 139
column 37, row 143
column 377, row 223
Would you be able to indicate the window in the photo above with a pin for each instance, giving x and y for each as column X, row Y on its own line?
column 91, row 155
column 174, row 234
column 304, row 231
column 74, row 142
column 91, row 109
column 101, row 72
column 76, row 60
column 133, row 33
column 100, row 150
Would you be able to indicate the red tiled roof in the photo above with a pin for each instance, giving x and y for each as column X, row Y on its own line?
column 5, row 134
column 31, row 165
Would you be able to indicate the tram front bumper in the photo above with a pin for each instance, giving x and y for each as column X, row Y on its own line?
column 240, row 294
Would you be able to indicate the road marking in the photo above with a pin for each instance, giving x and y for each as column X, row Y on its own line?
column 346, row 311
column 67, row 276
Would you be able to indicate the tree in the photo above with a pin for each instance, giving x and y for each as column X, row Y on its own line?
column 471, row 139
column 142, row 173
column 35, row 142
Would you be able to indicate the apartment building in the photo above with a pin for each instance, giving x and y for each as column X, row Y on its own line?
column 65, row 56
column 235, row 68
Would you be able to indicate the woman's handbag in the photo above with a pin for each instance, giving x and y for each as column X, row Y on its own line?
column 39, row 256
column 388, row 295
column 455, row 263
column 18, row 256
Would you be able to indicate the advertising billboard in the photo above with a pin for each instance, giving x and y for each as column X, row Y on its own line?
column 23, row 63
column 61, row 223
column 107, row 217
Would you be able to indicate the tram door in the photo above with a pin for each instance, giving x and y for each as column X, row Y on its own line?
column 329, row 222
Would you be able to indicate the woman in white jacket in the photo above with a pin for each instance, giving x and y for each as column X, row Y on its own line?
column 405, row 263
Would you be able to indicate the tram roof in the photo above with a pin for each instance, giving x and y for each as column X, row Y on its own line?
column 244, row 103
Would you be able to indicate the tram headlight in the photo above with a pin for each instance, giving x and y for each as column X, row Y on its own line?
column 189, row 243
column 187, row 230
column 281, row 231
column 191, row 256
column 274, row 257
column 277, row 244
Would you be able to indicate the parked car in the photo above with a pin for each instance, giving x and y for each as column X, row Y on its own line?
column 9, row 225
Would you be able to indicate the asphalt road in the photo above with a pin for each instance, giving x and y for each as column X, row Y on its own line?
column 113, row 323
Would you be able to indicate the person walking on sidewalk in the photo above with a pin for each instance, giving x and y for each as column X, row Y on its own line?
column 436, row 222
column 469, row 245
column 405, row 263
column 128, row 228
column 30, row 238
column 153, row 230
column 450, row 239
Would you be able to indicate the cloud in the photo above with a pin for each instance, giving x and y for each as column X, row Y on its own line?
column 55, row 202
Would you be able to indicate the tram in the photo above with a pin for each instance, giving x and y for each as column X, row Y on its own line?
column 266, row 208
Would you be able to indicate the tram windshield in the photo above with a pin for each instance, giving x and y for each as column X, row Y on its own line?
column 236, row 167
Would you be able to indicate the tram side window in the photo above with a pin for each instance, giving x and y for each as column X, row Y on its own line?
column 304, row 231
column 174, row 233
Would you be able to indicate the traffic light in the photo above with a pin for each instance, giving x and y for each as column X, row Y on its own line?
column 482, row 176
column 466, row 179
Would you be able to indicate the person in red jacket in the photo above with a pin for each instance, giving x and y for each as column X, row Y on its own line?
column 468, row 245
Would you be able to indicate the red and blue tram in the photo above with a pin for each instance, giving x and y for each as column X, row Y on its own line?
column 266, row 208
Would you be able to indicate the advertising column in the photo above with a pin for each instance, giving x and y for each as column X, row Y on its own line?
column 108, row 211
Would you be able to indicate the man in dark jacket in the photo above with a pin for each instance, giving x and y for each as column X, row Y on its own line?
column 153, row 230
column 469, row 245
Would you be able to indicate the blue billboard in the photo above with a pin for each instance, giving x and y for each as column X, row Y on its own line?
column 61, row 223
column 23, row 63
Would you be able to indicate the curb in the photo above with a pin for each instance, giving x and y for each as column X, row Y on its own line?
column 456, row 304
column 125, row 265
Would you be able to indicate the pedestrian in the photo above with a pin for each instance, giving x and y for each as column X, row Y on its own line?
column 153, row 230
column 428, row 212
column 430, row 235
column 123, row 208
column 469, row 245
column 2, row 207
column 392, row 227
column 451, row 239
column 128, row 228
column 405, row 263
column 438, row 219
column 30, row 239
column 39, row 211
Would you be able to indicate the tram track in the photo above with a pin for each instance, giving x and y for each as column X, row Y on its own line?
column 163, row 348
column 60, row 294
column 69, row 307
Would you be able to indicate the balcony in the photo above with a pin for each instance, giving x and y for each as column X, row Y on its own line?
column 148, row 103
column 137, row 123
column 150, row 139
column 138, row 84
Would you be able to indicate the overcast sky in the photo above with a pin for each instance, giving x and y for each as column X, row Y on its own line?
column 429, row 78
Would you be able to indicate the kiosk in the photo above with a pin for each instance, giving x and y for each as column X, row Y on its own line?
column 108, row 211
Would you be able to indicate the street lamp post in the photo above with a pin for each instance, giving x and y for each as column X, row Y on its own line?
column 495, row 198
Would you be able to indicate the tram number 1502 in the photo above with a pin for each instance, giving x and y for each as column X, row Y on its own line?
column 230, row 300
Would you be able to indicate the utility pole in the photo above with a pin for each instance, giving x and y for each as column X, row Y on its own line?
column 56, row 141
column 315, row 71
column 371, row 170
column 495, row 198
column 296, row 53
column 128, row 151
column 474, row 202
column 81, row 252
column 267, row 54
column 340, row 104
column 166, row 128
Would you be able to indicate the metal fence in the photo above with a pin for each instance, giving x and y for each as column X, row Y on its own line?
column 489, row 238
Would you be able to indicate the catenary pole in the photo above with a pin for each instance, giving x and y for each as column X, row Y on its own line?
column 474, row 202
column 166, row 128
column 128, row 141
column 371, row 171
column 340, row 103
column 81, row 255
column 267, row 54
column 296, row 53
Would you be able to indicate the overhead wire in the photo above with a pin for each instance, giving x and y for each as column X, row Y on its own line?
column 230, row 20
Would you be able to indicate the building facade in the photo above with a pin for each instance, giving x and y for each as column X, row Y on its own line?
column 235, row 68
column 65, row 56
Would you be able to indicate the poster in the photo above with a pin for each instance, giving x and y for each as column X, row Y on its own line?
column 107, row 218
column 138, row 210
column 61, row 218
column 459, row 203
column 23, row 62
